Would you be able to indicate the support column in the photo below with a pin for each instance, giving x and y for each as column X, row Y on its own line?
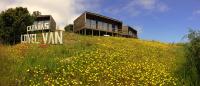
column 84, row 31
column 112, row 33
column 92, row 32
column 99, row 33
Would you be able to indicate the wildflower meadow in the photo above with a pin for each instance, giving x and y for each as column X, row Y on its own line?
column 93, row 61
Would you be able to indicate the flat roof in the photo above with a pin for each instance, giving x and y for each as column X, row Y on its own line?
column 102, row 16
column 44, row 17
column 130, row 28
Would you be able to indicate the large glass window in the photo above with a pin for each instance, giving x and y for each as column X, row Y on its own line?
column 40, row 22
column 113, row 27
column 99, row 25
column 116, row 28
column 130, row 33
column 134, row 35
column 102, row 26
column 93, row 24
column 110, row 27
column 105, row 26
column 35, row 22
column 88, row 23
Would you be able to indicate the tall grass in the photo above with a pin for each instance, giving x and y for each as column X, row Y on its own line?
column 86, row 60
column 191, row 68
column 6, row 67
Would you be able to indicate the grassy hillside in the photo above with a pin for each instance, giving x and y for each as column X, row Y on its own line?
column 98, row 61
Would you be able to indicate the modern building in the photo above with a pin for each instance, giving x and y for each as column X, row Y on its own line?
column 41, row 19
column 129, row 32
column 95, row 24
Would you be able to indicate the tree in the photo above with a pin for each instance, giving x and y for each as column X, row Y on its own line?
column 194, row 48
column 193, row 57
column 13, row 23
column 1, row 30
column 69, row 28
column 36, row 13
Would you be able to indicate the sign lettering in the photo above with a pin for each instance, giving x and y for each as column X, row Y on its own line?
column 55, row 37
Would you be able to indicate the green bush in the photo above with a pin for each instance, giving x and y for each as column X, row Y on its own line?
column 13, row 22
column 192, row 67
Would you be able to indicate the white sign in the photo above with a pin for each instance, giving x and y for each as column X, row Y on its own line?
column 55, row 37
column 44, row 26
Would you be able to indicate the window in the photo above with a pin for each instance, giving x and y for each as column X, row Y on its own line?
column 99, row 25
column 130, row 33
column 116, row 28
column 110, row 27
column 102, row 26
column 88, row 23
column 113, row 27
column 35, row 22
column 93, row 24
column 134, row 35
column 105, row 26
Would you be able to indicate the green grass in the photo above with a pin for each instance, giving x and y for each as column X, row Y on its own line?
column 87, row 60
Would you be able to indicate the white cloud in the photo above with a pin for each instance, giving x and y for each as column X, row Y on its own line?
column 4, row 3
column 195, row 15
column 152, row 5
column 162, row 7
column 138, row 28
column 63, row 11
column 146, row 4
column 136, row 7
column 196, row 12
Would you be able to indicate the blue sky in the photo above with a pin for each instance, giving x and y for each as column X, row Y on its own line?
column 161, row 20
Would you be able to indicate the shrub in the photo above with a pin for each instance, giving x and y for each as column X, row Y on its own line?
column 192, row 67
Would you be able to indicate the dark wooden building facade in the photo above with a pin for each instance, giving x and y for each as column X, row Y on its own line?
column 46, row 19
column 94, row 24
column 129, row 32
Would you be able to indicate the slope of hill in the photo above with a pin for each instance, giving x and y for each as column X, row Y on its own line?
column 86, row 60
